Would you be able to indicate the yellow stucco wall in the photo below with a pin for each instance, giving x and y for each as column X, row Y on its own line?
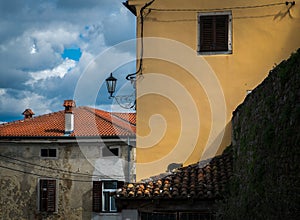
column 180, row 106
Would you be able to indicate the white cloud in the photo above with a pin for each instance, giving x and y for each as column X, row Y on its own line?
column 9, row 103
column 59, row 71
column 34, row 35
column 33, row 49
column 56, row 36
column 2, row 92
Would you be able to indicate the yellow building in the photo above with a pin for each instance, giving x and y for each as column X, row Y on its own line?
column 199, row 60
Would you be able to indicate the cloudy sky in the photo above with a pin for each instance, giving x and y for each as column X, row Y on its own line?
column 52, row 50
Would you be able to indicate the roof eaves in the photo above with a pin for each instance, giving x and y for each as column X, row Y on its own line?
column 131, row 8
column 117, row 116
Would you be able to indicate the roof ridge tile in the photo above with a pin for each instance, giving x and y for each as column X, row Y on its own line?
column 52, row 124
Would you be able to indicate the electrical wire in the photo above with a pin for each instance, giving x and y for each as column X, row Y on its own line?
column 50, row 168
column 132, row 76
column 219, row 9
column 43, row 176
column 28, row 166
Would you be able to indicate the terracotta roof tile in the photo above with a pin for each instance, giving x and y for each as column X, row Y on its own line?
column 88, row 122
column 206, row 182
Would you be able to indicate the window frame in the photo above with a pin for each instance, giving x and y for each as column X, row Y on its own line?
column 39, row 200
column 111, row 199
column 49, row 157
column 229, row 28
column 99, row 192
column 108, row 148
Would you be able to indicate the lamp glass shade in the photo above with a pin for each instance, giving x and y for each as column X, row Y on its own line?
column 111, row 84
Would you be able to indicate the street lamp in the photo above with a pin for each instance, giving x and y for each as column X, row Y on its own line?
column 125, row 101
column 111, row 85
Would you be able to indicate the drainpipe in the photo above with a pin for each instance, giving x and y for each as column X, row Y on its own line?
column 128, row 157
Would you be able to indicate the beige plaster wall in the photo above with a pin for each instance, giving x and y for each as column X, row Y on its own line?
column 261, row 38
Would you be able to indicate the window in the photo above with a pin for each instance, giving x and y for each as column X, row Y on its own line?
column 215, row 31
column 49, row 153
column 111, row 151
column 103, row 200
column 47, row 195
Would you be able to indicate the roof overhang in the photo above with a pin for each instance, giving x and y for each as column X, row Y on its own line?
column 170, row 204
column 130, row 7
column 67, row 139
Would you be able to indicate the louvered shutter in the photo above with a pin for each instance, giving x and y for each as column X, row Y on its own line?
column 206, row 33
column 97, row 196
column 213, row 33
column 221, row 33
column 47, row 195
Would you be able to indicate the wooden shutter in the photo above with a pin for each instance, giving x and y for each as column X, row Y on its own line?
column 213, row 33
column 47, row 195
column 221, row 33
column 97, row 196
column 206, row 33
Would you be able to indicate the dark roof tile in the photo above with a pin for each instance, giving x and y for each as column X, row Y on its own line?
column 192, row 181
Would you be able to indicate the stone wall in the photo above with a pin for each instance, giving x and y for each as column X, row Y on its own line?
column 266, row 145
column 21, row 167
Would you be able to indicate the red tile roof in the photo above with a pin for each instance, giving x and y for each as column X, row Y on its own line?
column 208, row 182
column 87, row 122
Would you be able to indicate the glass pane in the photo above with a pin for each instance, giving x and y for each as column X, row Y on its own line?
column 114, row 151
column 106, row 201
column 108, row 152
column 44, row 152
column 113, row 204
column 52, row 152
column 110, row 185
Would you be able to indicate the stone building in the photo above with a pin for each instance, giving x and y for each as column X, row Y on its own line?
column 66, row 164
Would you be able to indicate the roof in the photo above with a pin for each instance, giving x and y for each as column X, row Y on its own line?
column 193, row 181
column 87, row 122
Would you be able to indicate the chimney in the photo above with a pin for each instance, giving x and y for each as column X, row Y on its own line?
column 28, row 113
column 69, row 116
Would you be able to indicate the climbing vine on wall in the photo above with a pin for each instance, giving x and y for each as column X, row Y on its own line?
column 266, row 131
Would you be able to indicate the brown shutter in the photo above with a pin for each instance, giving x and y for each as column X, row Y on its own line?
column 221, row 29
column 51, row 195
column 97, row 196
column 47, row 195
column 206, row 33
column 213, row 33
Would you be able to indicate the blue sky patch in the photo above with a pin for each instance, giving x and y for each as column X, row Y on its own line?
column 72, row 53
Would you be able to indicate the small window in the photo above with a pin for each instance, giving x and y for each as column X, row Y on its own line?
column 47, row 195
column 214, row 33
column 103, row 200
column 111, row 151
column 49, row 153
